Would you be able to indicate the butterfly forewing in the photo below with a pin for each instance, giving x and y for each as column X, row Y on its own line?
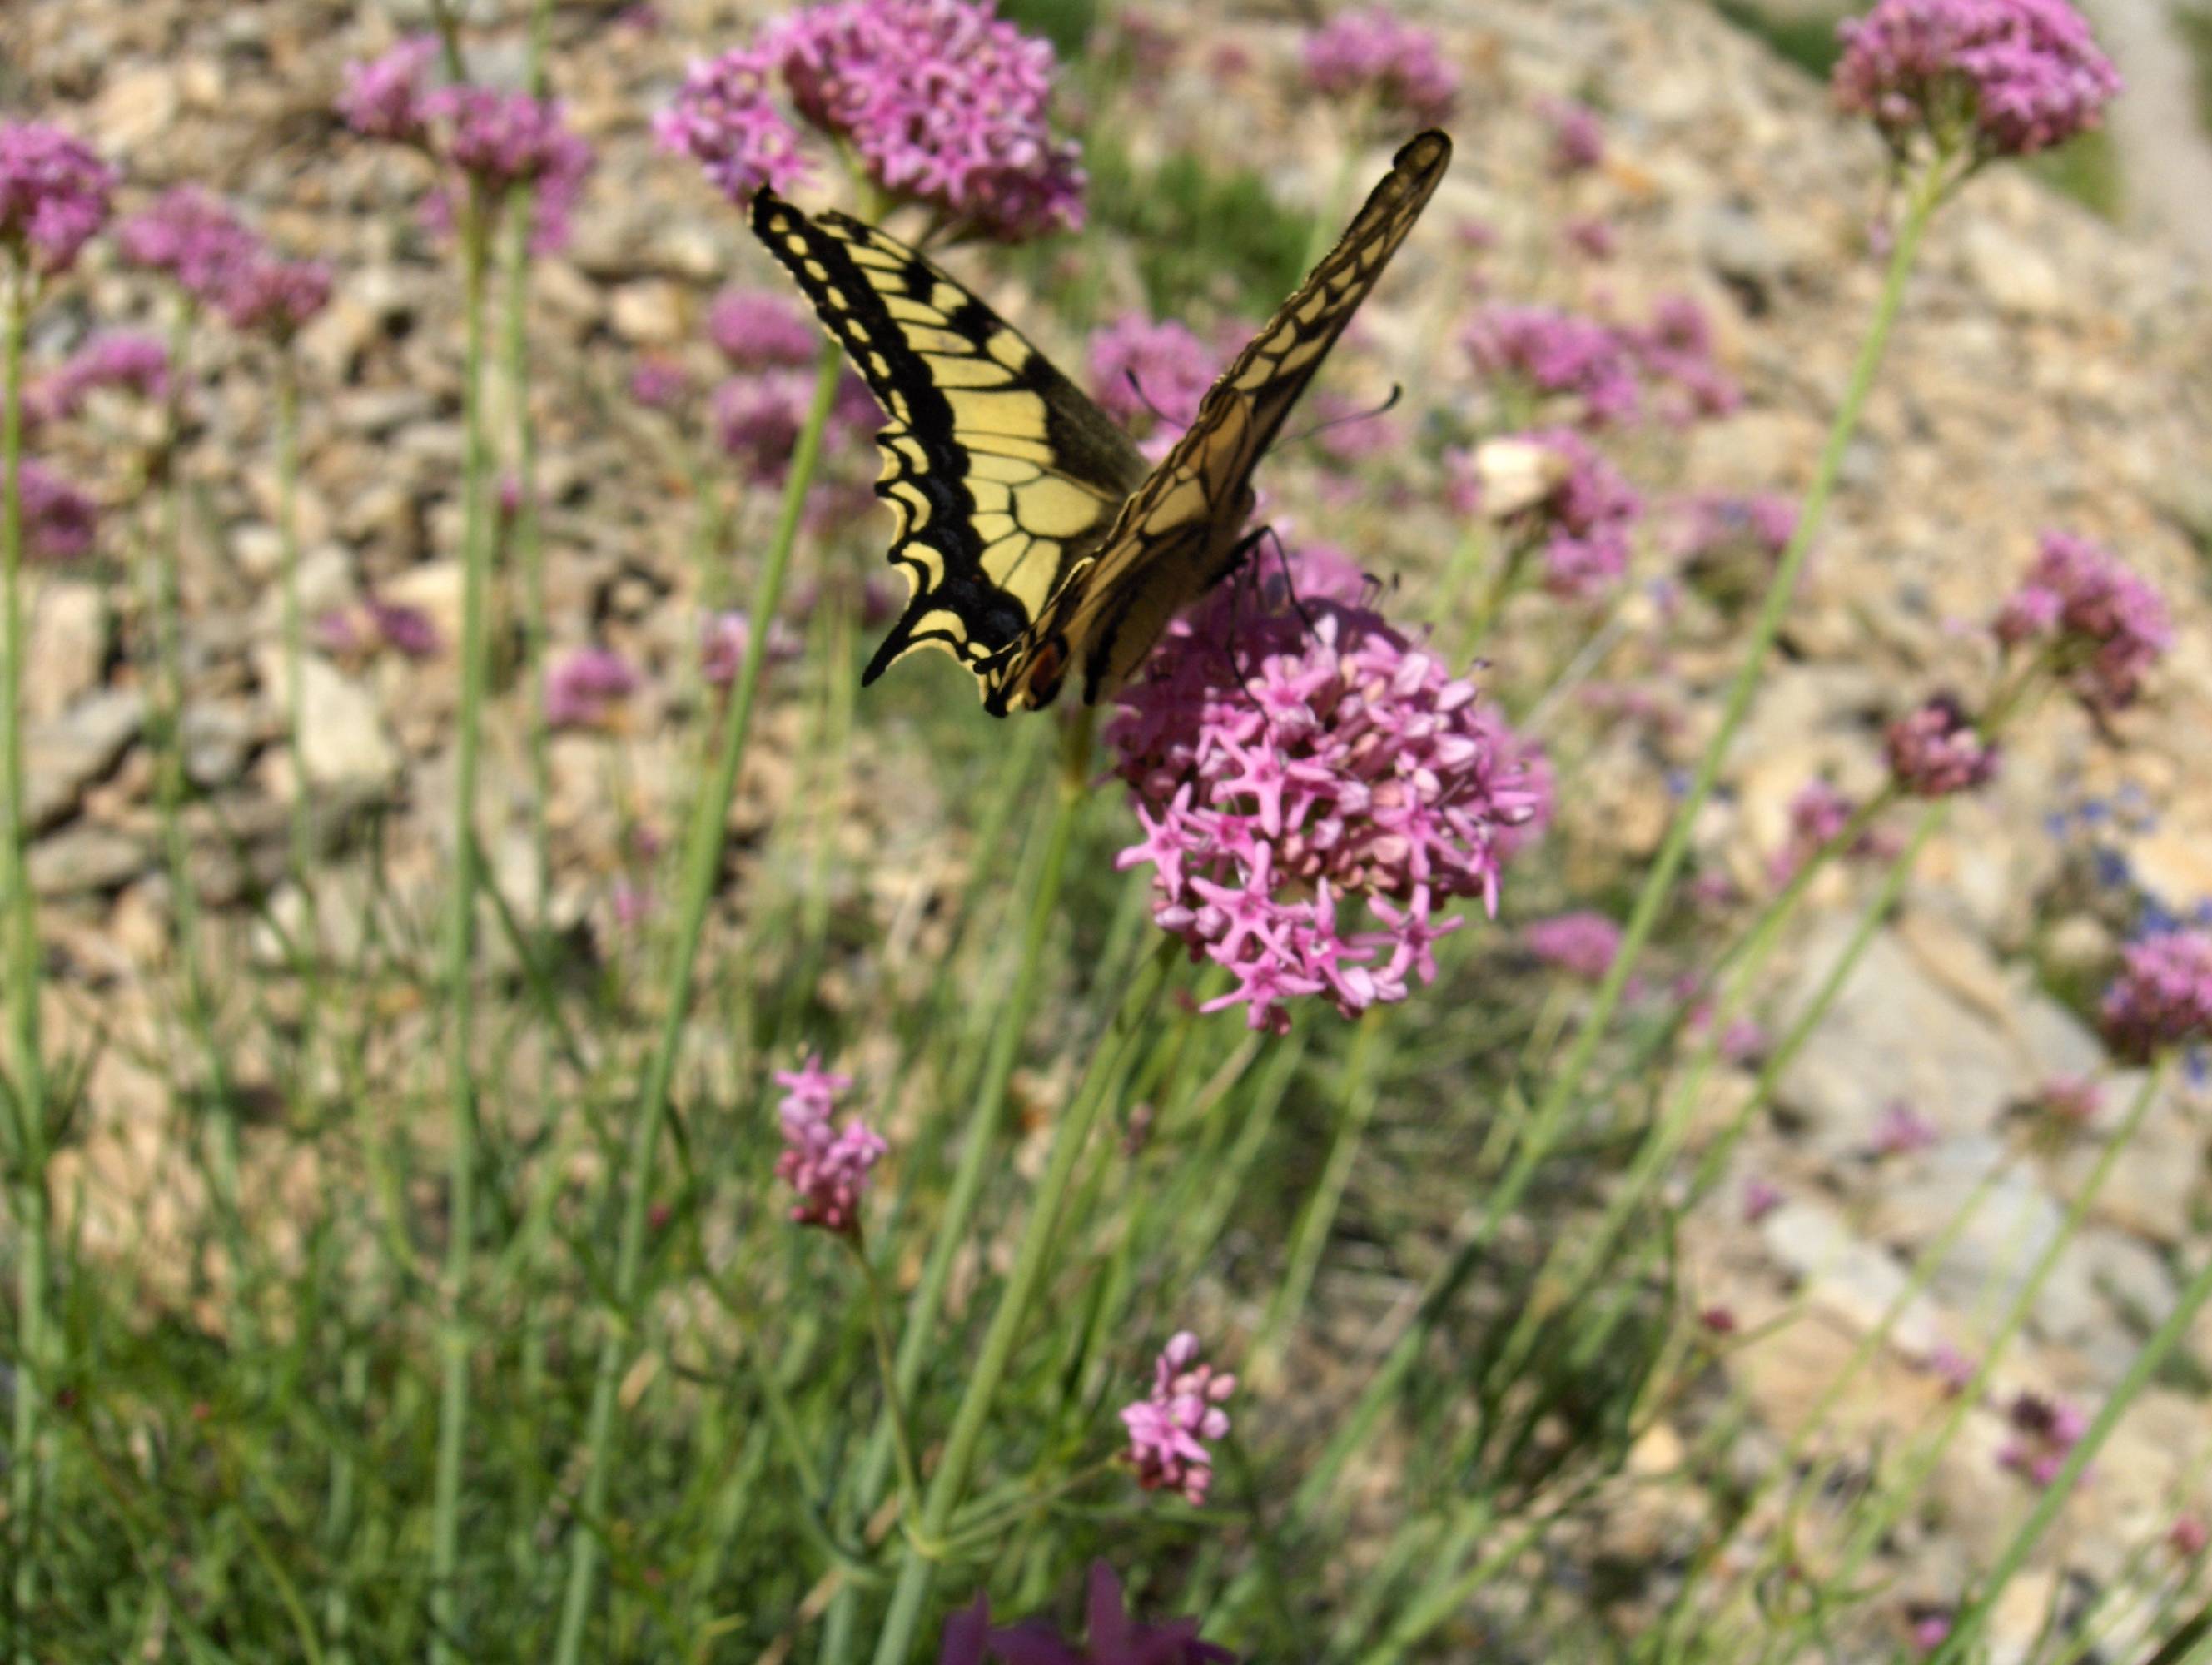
column 1002, row 475
column 1177, row 535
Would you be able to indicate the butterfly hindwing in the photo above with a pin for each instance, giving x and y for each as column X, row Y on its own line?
column 1178, row 534
column 1001, row 474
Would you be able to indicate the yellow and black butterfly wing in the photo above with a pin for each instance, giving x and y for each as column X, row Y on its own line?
column 1178, row 536
column 1002, row 475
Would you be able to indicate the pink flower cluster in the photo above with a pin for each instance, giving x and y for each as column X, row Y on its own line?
column 2026, row 73
column 1900, row 1130
column 941, row 101
column 1675, row 350
column 497, row 140
column 2162, row 998
column 1373, row 55
column 2106, row 627
column 54, row 194
column 209, row 252
column 1716, row 522
column 1936, row 750
column 1555, row 354
column 1578, row 136
column 2044, row 1433
column 659, row 384
column 1146, row 372
column 1113, row 1635
column 583, row 688
column 1817, row 812
column 134, row 363
column 1585, row 520
column 58, row 520
column 1168, row 1428
column 757, row 330
column 1583, row 944
column 827, row 1167
column 725, row 638
column 1279, row 769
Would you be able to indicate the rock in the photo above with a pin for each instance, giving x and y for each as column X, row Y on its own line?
column 650, row 313
column 2158, row 1183
column 66, row 645
column 136, row 108
column 342, row 740
column 218, row 738
column 63, row 755
column 1846, row 1275
column 86, row 858
column 2013, row 272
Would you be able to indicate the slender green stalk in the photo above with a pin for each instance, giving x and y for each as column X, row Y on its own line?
column 879, row 1331
column 1545, row 1123
column 1032, row 1259
column 460, row 941
column 302, row 850
column 29, row 1085
column 702, row 861
column 529, row 543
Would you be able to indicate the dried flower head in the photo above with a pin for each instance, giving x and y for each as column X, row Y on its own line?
column 2103, row 627
column 1553, row 355
column 1113, row 1635
column 54, row 194
column 756, row 330
column 828, row 1167
column 1583, row 944
column 1936, row 750
column 1281, row 771
column 1168, row 1428
column 2162, row 998
column 1995, row 78
column 583, row 688
column 1374, row 57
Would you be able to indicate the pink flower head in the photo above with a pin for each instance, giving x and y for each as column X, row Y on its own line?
column 758, row 419
column 1951, row 1368
column 1113, row 1636
column 1935, row 751
column 1675, row 351
column 828, row 1167
column 1585, row 520
column 1168, row 1428
column 58, row 520
column 406, row 630
column 2106, row 627
column 2162, row 998
column 1761, row 1197
column 941, row 101
column 382, row 97
column 659, row 384
column 1716, row 524
column 1578, row 136
column 2071, row 1102
column 1930, row 1630
column 1282, row 773
column 725, row 120
column 274, row 298
column 501, row 140
column 755, row 330
column 137, row 364
column 1817, row 812
column 1582, row 945
column 54, row 194
column 723, row 638
column 1553, row 355
column 2188, row 1536
column 2045, row 1432
column 1373, row 55
column 1147, row 372
column 189, row 237
column 1900, row 1129
column 583, row 688
column 1590, row 236
column 2026, row 74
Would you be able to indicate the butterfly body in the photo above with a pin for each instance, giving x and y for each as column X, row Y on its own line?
column 1037, row 540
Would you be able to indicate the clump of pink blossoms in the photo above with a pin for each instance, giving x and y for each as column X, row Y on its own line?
column 725, row 638
column 1900, row 1130
column 1145, row 372
column 828, row 1167
column 189, row 237
column 1936, row 750
column 1584, row 520
column 2044, row 1433
column 2162, row 998
column 1374, row 56
column 1112, row 1636
column 60, row 519
column 941, row 101
column 1675, row 350
column 1583, row 944
column 583, row 688
column 136, row 364
column 1578, row 136
column 2021, row 75
column 1281, row 771
column 1553, row 355
column 1168, row 1428
column 53, row 195
column 2103, row 627
column 755, row 330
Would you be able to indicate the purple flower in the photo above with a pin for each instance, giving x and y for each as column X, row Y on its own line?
column 1675, row 350
column 1279, row 771
column 54, row 194
column 137, row 364
column 758, row 419
column 1168, row 1428
column 583, row 688
column 2045, row 1432
column 274, row 298
column 2106, row 627
column 659, row 384
column 2162, row 998
column 501, row 140
column 1761, row 1197
column 1590, row 236
column 724, row 638
column 2188, row 1536
column 1716, row 523
column 2026, row 73
column 406, row 630
column 1900, row 1130
column 1951, row 1368
column 188, row 236
column 1586, row 519
column 1817, row 812
column 1372, row 55
column 1578, row 136
column 1557, row 354
column 2073, row 1101
column 1930, row 1630
column 58, row 520
column 1146, row 372
column 1935, row 751
column 828, row 1167
column 756, row 330
column 1583, row 944
column 725, row 120
column 1113, row 1638
column 382, row 97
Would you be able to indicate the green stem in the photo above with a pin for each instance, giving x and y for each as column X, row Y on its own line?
column 1383, row 1386
column 1032, row 1258
column 702, row 861
column 460, row 943
column 528, row 543
column 301, row 848
column 22, row 961
column 879, row 1329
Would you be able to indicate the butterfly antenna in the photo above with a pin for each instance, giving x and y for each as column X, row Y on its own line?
column 1397, row 393
column 1290, row 579
column 1146, row 400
